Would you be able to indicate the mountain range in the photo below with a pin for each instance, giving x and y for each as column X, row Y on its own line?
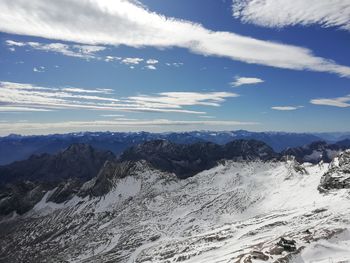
column 17, row 147
column 24, row 183
column 160, row 201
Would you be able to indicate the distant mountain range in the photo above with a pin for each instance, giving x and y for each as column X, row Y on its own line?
column 17, row 147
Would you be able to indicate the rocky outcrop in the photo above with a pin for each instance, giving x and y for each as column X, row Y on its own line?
column 65, row 191
column 22, row 196
column 26, row 182
column 316, row 152
column 79, row 161
column 107, row 177
column 338, row 175
column 188, row 160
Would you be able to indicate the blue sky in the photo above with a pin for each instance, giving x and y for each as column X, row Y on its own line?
column 165, row 65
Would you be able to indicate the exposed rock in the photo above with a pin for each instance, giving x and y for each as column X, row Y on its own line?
column 77, row 161
column 28, row 181
column 187, row 160
column 287, row 245
column 316, row 152
column 106, row 178
column 22, row 196
column 65, row 191
column 338, row 174
column 259, row 255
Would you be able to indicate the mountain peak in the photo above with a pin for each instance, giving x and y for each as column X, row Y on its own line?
column 338, row 175
column 187, row 160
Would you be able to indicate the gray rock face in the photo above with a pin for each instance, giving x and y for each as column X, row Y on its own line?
column 25, row 183
column 77, row 169
column 188, row 160
column 21, row 197
column 316, row 152
column 65, row 191
column 105, row 181
column 77, row 161
column 338, row 175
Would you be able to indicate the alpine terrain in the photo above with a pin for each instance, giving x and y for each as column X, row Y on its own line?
column 166, row 202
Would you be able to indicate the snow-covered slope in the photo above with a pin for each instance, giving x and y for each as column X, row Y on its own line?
column 234, row 212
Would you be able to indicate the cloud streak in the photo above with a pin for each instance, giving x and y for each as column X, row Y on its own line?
column 286, row 108
column 123, row 22
column 88, row 52
column 281, row 13
column 239, row 81
column 131, row 61
column 79, row 51
column 340, row 102
column 27, row 96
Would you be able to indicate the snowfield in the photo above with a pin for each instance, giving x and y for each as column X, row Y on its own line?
column 234, row 212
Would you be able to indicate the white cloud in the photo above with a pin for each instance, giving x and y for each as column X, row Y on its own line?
column 123, row 22
column 341, row 102
column 112, row 115
column 51, row 98
column 131, row 61
column 239, row 81
column 174, row 64
column 14, row 43
column 286, row 108
column 39, row 69
column 152, row 61
column 20, row 109
column 80, row 90
column 207, row 117
column 79, row 51
column 178, row 99
column 151, row 67
column 112, row 58
column 280, row 13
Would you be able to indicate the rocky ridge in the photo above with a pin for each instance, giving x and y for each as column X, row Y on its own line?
column 338, row 175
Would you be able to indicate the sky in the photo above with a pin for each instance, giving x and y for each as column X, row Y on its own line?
column 174, row 65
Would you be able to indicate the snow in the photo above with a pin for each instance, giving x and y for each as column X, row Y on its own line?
column 219, row 215
column 333, row 250
column 125, row 188
column 43, row 207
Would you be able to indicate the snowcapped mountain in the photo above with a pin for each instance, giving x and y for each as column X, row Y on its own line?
column 24, row 183
column 239, row 210
column 187, row 160
column 317, row 151
column 16, row 147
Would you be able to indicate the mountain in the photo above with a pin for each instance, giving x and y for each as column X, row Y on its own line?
column 239, row 210
column 79, row 161
column 277, row 140
column 333, row 136
column 187, row 160
column 317, row 151
column 16, row 147
column 67, row 171
column 344, row 143
column 338, row 175
column 24, row 183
